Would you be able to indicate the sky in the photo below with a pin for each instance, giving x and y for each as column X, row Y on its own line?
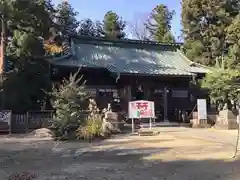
column 129, row 10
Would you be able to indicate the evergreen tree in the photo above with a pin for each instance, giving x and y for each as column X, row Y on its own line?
column 159, row 24
column 66, row 19
column 233, row 38
column 168, row 37
column 223, row 86
column 68, row 101
column 99, row 32
column 89, row 28
column 204, row 28
column 113, row 26
column 27, row 23
column 24, row 25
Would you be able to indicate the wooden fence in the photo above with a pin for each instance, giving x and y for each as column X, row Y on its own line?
column 27, row 122
column 23, row 123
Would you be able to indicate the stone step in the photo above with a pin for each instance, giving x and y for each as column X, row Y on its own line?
column 146, row 133
column 147, row 125
column 162, row 124
column 169, row 124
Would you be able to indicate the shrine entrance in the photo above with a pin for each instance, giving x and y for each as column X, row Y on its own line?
column 167, row 95
column 138, row 93
column 157, row 95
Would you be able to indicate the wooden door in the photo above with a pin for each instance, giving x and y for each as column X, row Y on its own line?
column 157, row 95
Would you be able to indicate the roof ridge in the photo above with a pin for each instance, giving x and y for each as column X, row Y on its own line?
column 127, row 41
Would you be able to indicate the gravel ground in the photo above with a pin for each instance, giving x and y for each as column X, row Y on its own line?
column 165, row 156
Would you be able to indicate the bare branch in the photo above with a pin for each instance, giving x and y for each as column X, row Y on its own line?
column 138, row 27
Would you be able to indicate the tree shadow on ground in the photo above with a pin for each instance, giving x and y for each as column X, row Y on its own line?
column 130, row 163
column 114, row 163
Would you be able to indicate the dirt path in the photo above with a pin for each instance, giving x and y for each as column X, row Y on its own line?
column 165, row 157
column 227, row 137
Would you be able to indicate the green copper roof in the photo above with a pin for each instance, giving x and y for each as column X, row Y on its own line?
column 125, row 58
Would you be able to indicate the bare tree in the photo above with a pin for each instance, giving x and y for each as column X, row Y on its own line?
column 137, row 27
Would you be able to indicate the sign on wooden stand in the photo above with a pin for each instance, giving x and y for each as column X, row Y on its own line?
column 141, row 109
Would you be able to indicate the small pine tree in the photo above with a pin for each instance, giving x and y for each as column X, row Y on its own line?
column 68, row 101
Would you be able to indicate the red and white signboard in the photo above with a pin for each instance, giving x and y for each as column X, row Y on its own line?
column 141, row 109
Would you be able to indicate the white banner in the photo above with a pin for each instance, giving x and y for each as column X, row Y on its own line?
column 202, row 108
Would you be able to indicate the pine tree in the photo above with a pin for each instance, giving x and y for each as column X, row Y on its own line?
column 113, row 26
column 159, row 24
column 204, row 28
column 223, row 86
column 89, row 28
column 68, row 101
column 27, row 23
column 168, row 37
column 233, row 38
column 66, row 19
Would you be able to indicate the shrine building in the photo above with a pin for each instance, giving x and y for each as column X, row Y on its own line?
column 119, row 71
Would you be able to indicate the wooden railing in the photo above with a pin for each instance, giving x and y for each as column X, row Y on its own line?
column 23, row 123
column 27, row 122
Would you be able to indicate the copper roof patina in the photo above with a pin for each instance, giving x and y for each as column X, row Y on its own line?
column 129, row 57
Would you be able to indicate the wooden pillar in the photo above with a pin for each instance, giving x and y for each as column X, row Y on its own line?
column 147, row 92
column 129, row 93
column 165, row 104
column 126, row 96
